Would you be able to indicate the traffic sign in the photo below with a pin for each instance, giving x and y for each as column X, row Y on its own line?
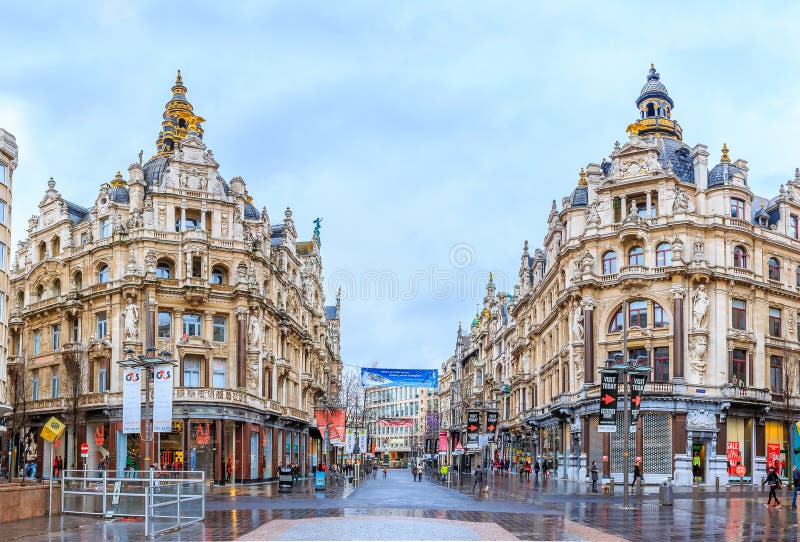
column 84, row 450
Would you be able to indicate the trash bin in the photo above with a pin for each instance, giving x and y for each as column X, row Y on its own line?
column 285, row 479
column 665, row 495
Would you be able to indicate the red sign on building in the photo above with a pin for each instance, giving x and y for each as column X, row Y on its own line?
column 99, row 435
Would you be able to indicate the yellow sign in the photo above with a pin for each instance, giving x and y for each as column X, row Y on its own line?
column 178, row 457
column 53, row 428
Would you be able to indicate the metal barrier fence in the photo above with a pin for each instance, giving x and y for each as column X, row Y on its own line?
column 165, row 499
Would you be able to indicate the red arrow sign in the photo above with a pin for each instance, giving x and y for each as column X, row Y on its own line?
column 607, row 399
column 491, row 428
column 473, row 427
column 636, row 401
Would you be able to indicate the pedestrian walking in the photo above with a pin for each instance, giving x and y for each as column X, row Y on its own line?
column 419, row 473
column 774, row 482
column 545, row 469
column 637, row 474
column 414, row 472
column 795, row 483
column 527, row 470
column 536, row 469
column 384, row 472
column 593, row 471
column 478, row 479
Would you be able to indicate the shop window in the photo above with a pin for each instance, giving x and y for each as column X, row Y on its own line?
column 776, row 374
column 164, row 325
column 738, row 313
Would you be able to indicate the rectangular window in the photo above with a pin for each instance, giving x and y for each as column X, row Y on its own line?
column 35, row 386
column 739, row 367
column 84, row 238
column 191, row 373
column 638, row 314
column 54, row 384
column 102, row 376
column 3, row 174
column 37, row 341
column 105, row 228
column 660, row 318
column 661, row 364
column 793, row 230
column 774, row 322
column 738, row 313
column 3, row 251
column 56, row 336
column 101, row 324
column 191, row 325
column 638, row 356
column 164, row 325
column 218, row 380
column 3, row 208
column 76, row 330
column 776, row 374
column 737, row 208
column 220, row 326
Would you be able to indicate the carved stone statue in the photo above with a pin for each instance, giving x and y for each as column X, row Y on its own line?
column 131, row 322
column 587, row 263
column 677, row 251
column 252, row 376
column 150, row 261
column 577, row 321
column 681, row 203
column 698, row 251
column 577, row 361
column 697, row 354
column 254, row 330
column 699, row 307
column 633, row 214
column 592, row 215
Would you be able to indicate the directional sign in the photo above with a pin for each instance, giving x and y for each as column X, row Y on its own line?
column 608, row 403
column 637, row 388
column 473, row 424
column 491, row 424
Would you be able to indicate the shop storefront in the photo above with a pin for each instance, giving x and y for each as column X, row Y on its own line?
column 776, row 446
column 739, row 446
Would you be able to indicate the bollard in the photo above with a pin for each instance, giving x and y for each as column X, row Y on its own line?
column 717, row 484
column 611, row 483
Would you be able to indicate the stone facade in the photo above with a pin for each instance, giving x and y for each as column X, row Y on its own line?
column 174, row 256
column 709, row 273
column 9, row 156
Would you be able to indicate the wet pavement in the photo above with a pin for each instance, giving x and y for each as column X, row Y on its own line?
column 398, row 509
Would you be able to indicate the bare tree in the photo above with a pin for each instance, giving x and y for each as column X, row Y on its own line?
column 72, row 363
column 19, row 416
column 352, row 398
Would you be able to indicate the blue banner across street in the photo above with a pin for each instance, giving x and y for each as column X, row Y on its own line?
column 415, row 378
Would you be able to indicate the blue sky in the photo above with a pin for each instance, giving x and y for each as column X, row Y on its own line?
column 431, row 136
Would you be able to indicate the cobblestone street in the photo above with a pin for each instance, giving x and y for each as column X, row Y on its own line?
column 399, row 509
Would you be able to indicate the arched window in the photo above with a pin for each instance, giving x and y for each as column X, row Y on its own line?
column 102, row 274
column 218, row 275
column 651, row 110
column 740, row 257
column 609, row 262
column 55, row 246
column 663, row 254
column 39, row 292
column 636, row 256
column 615, row 326
column 164, row 269
column 20, row 299
column 774, row 269
column 797, row 277
column 56, row 288
column 42, row 251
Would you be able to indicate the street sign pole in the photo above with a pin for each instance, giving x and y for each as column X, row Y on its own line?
column 626, row 409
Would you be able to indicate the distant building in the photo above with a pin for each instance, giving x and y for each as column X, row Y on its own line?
column 9, row 157
column 398, row 419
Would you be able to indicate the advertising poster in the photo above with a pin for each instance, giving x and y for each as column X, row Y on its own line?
column 131, row 400
column 637, row 389
column 163, row 376
column 362, row 440
column 491, row 424
column 396, row 422
column 349, row 440
column 473, row 424
column 442, row 441
column 334, row 419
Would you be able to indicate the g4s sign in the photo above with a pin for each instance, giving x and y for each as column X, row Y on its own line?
column 132, row 376
column 164, row 374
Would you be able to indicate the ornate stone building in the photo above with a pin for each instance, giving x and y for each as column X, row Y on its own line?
column 174, row 256
column 8, row 163
column 710, row 273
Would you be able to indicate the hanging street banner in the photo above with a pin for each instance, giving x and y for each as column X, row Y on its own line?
column 349, row 440
column 442, row 441
column 608, row 403
column 491, row 425
column 414, row 378
column 163, row 376
column 362, row 440
column 473, row 424
column 334, row 419
column 637, row 389
column 396, row 422
column 131, row 400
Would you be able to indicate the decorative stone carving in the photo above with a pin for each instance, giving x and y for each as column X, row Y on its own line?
column 131, row 322
column 587, row 263
column 698, row 252
column 150, row 261
column 252, row 375
column 577, row 321
column 592, row 215
column 698, row 345
column 677, row 251
column 701, row 420
column 577, row 362
column 681, row 204
column 699, row 307
column 254, row 330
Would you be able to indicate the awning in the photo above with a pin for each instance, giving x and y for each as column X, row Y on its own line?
column 313, row 432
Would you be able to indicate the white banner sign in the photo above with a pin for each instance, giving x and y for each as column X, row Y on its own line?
column 164, row 376
column 362, row 440
column 131, row 400
column 349, row 440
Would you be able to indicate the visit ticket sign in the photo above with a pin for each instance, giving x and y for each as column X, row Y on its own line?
column 608, row 403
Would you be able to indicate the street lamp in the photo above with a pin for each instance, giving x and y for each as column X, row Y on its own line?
column 148, row 363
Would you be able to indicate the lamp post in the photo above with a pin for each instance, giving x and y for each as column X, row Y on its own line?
column 626, row 366
column 147, row 362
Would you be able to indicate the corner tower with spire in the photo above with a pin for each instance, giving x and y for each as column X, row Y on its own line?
column 655, row 109
column 179, row 120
